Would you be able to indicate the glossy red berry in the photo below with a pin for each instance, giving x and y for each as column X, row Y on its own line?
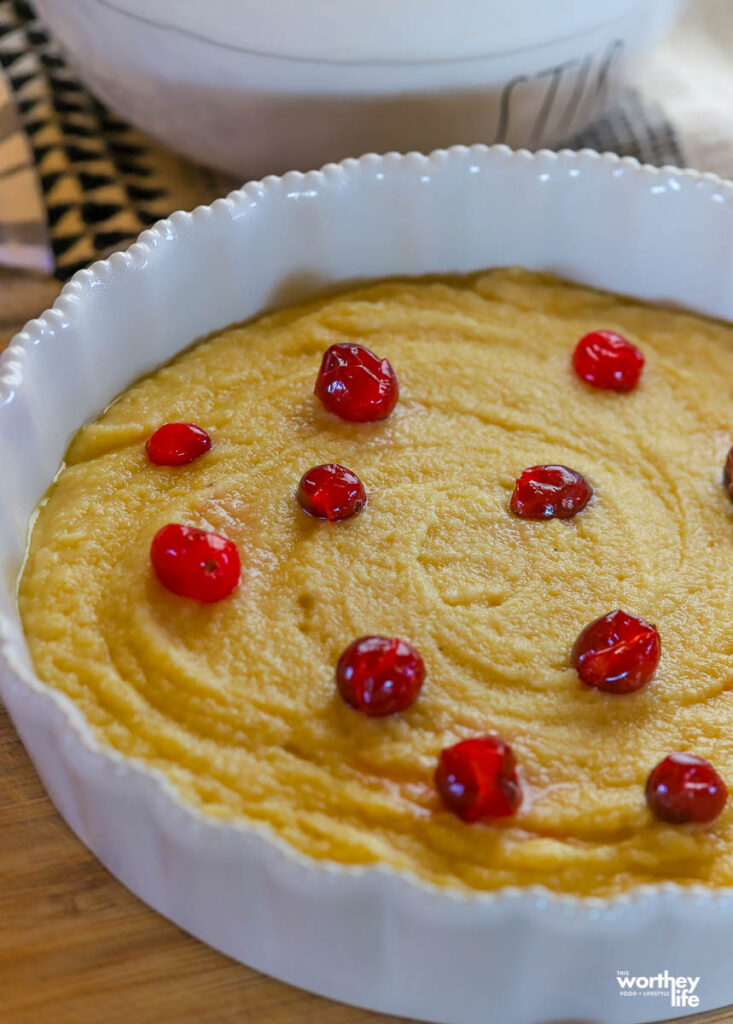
column 331, row 492
column 550, row 492
column 607, row 360
column 477, row 778
column 684, row 788
column 380, row 675
column 195, row 563
column 355, row 384
column 174, row 444
column 728, row 473
column 617, row 653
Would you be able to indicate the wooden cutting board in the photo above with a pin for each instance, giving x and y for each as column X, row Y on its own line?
column 78, row 948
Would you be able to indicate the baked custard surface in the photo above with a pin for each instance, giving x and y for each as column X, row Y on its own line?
column 235, row 702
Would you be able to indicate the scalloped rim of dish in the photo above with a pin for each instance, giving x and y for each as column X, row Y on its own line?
column 574, row 907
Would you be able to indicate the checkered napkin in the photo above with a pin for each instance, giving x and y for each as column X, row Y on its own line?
column 76, row 182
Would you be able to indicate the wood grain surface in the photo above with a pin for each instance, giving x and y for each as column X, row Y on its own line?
column 78, row 948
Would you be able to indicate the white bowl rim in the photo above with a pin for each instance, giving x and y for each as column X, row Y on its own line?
column 324, row 35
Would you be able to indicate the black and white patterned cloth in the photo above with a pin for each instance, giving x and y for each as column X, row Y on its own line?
column 76, row 182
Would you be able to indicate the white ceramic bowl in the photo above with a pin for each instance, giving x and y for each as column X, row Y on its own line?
column 367, row 936
column 255, row 87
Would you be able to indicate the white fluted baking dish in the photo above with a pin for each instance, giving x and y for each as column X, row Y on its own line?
column 368, row 936
column 257, row 87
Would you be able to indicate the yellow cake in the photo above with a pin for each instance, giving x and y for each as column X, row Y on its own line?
column 235, row 701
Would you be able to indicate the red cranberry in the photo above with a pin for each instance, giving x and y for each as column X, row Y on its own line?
column 380, row 675
column 728, row 473
column 195, row 563
column 355, row 384
column 684, row 788
column 617, row 653
column 606, row 360
column 174, row 444
column 550, row 492
column 477, row 778
column 331, row 492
